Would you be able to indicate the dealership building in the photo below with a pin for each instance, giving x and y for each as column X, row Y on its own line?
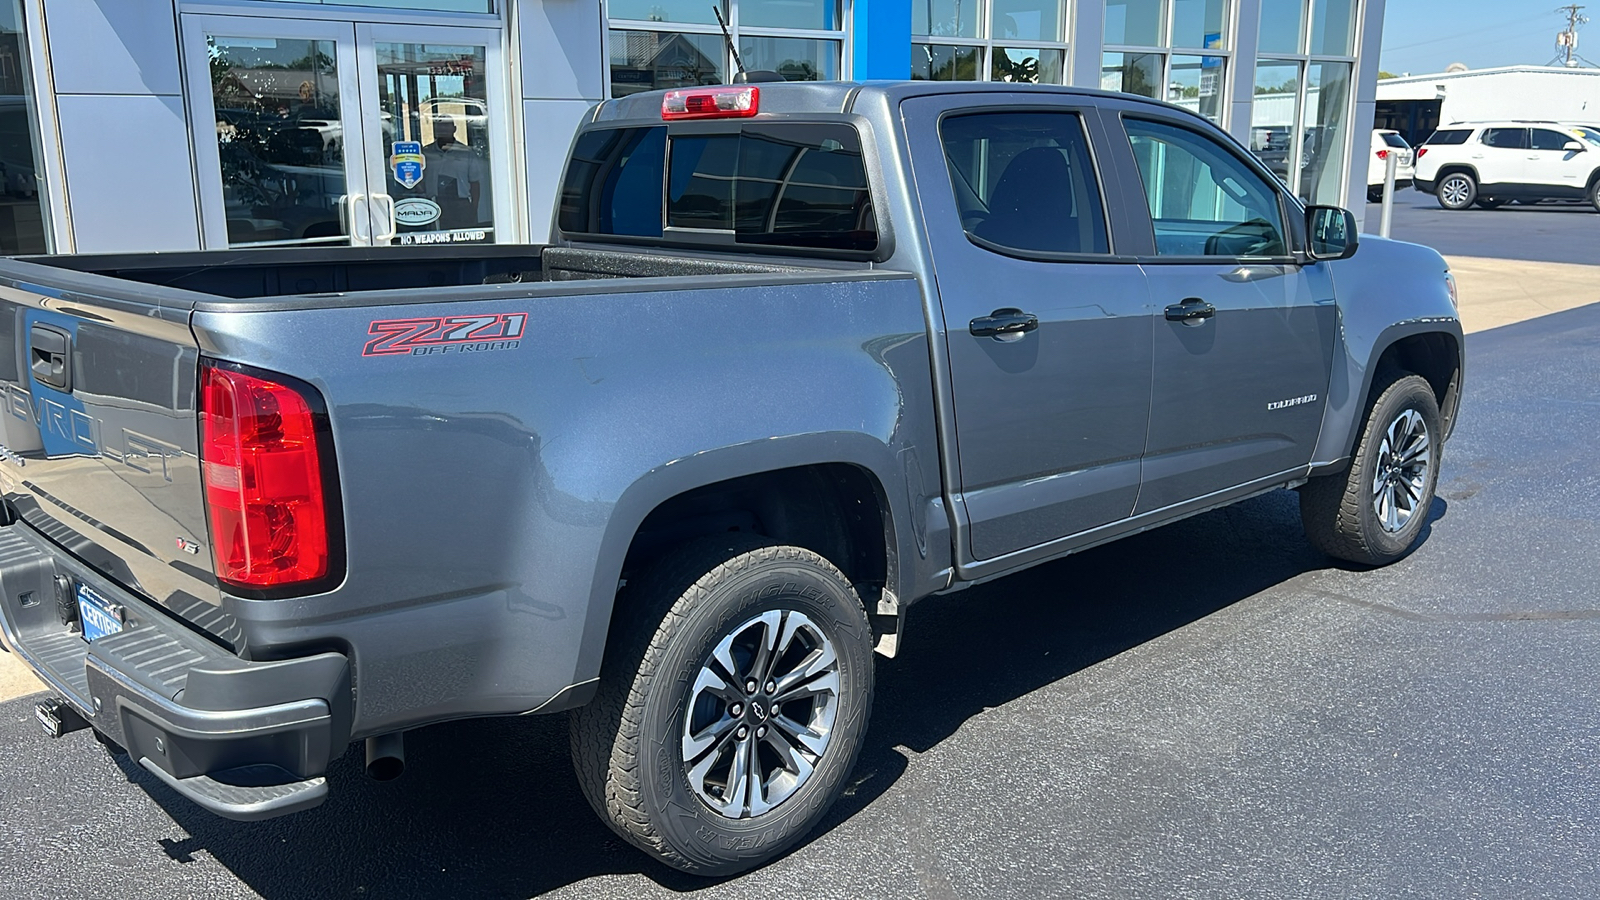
column 141, row 125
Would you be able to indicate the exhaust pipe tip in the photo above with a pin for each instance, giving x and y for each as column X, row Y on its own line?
column 386, row 756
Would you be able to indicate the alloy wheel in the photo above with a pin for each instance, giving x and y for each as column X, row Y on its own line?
column 761, row 713
column 1400, row 478
column 1455, row 191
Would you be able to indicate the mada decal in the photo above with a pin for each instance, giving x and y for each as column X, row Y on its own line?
column 415, row 211
column 433, row 335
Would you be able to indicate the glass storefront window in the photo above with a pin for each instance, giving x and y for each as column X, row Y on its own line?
column 1333, row 25
column 650, row 60
column 1025, row 20
column 1137, row 22
column 280, row 138
column 1132, row 73
column 1281, row 26
column 694, row 12
column 796, row 59
column 1196, row 82
column 1272, row 115
column 470, row 6
column 821, row 15
column 1201, row 24
column 21, row 182
column 1035, row 66
column 434, row 94
column 944, row 18
column 1326, row 132
column 944, row 62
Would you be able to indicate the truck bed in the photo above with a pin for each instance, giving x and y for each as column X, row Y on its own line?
column 256, row 274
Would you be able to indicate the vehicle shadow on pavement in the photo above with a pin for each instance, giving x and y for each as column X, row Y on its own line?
column 490, row 808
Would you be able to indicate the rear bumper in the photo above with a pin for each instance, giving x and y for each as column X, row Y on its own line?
column 1424, row 186
column 246, row 740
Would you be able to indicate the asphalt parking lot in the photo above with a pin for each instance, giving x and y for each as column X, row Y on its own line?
column 1547, row 232
column 1206, row 710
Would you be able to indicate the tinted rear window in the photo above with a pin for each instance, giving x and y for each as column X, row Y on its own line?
column 1395, row 140
column 1453, row 136
column 1506, row 138
column 793, row 185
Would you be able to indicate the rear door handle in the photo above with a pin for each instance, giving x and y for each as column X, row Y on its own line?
column 1192, row 309
column 1003, row 322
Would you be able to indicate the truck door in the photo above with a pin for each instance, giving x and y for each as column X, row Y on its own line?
column 1047, row 329
column 1245, row 334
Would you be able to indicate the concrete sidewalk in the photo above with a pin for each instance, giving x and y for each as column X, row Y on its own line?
column 1494, row 292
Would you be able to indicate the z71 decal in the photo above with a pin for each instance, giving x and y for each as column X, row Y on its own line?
column 445, row 334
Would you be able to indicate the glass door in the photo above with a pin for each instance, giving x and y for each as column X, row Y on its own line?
column 278, row 132
column 438, row 165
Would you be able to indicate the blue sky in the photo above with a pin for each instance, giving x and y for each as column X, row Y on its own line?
column 1423, row 36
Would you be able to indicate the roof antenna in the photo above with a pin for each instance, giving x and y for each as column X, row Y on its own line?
column 759, row 76
column 728, row 38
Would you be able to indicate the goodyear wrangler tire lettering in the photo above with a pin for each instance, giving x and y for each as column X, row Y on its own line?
column 711, row 607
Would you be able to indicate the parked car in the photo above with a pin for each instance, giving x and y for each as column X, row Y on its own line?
column 1492, row 163
column 685, row 468
column 1384, row 143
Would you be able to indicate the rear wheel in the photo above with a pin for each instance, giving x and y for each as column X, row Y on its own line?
column 1457, row 190
column 1594, row 194
column 1372, row 512
column 733, row 704
column 1374, row 193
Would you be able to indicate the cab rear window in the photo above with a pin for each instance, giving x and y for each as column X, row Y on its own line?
column 783, row 185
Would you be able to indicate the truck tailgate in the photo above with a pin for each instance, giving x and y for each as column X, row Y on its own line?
column 100, row 435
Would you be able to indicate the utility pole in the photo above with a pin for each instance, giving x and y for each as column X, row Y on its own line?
column 1567, row 41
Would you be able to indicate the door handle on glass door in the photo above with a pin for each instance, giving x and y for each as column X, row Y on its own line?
column 354, row 213
column 1192, row 311
column 387, row 202
column 1006, row 324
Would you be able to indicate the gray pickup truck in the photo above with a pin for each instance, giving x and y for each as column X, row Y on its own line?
column 796, row 357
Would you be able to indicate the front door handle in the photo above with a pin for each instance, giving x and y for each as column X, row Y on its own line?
column 1003, row 323
column 1192, row 309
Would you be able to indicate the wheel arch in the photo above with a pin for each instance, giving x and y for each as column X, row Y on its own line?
column 828, row 493
column 1451, row 168
column 1434, row 350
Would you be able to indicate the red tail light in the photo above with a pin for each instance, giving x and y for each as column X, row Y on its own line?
column 1383, row 154
column 1421, row 152
column 263, row 474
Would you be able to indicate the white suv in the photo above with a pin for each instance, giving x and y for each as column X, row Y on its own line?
column 1385, row 142
column 1490, row 163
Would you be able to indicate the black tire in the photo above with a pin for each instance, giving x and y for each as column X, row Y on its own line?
column 1456, row 191
column 1594, row 194
column 1490, row 202
column 628, row 744
column 1374, row 194
column 1340, row 512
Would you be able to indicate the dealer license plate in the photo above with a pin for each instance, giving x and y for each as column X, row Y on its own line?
column 100, row 617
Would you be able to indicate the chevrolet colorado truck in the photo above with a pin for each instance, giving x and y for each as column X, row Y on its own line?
column 796, row 356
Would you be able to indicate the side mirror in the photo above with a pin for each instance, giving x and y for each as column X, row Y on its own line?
column 1332, row 232
column 1574, row 147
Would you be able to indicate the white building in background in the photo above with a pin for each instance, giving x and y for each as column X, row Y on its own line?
column 1417, row 104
